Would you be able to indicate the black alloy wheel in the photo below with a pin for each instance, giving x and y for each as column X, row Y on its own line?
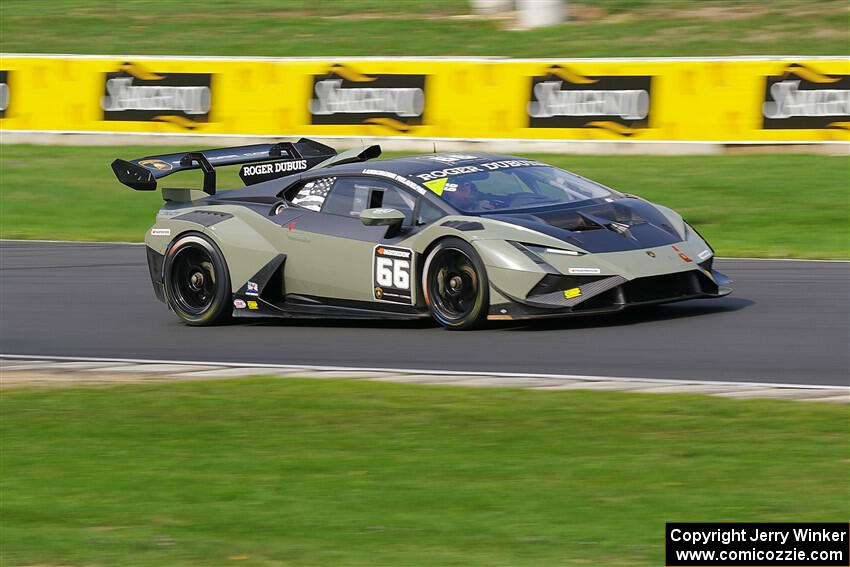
column 197, row 284
column 456, row 285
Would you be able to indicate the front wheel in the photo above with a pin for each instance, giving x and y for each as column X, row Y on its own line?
column 456, row 286
column 197, row 284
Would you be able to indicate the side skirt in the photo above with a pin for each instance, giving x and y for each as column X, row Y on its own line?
column 308, row 307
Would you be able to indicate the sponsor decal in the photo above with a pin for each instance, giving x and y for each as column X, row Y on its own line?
column 345, row 96
column 562, row 98
column 510, row 163
column 391, row 274
column 704, row 255
column 157, row 164
column 5, row 97
column 483, row 167
column 239, row 304
column 448, row 159
column 251, row 288
column 258, row 172
column 572, row 293
column 252, row 305
column 802, row 98
column 160, row 232
column 584, row 271
column 134, row 93
column 440, row 173
column 682, row 255
column 400, row 178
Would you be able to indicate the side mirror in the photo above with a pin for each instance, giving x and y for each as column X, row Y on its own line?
column 382, row 217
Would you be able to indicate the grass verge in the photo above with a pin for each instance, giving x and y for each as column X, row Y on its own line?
column 305, row 472
column 601, row 28
column 759, row 205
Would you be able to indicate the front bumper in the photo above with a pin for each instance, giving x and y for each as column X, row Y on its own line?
column 561, row 296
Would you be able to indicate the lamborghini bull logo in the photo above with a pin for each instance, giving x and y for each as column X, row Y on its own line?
column 137, row 94
column 344, row 96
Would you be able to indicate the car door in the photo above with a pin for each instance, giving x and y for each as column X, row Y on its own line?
column 334, row 255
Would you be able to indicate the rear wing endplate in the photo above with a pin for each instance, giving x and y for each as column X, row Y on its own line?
column 270, row 161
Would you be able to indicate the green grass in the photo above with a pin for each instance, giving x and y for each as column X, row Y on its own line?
column 757, row 205
column 602, row 28
column 299, row 472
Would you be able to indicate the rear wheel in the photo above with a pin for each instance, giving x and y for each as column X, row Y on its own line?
column 197, row 284
column 456, row 285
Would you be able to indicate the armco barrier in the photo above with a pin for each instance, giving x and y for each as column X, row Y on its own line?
column 727, row 100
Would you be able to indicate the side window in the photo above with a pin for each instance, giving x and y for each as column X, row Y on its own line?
column 350, row 195
column 312, row 195
column 428, row 213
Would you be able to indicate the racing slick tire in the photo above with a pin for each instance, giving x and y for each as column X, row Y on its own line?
column 457, row 290
column 197, row 282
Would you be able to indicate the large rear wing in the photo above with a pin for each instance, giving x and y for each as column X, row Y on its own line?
column 260, row 162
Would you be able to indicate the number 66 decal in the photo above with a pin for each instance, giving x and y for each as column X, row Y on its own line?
column 391, row 269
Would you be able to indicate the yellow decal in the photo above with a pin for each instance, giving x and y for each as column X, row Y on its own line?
column 253, row 305
column 156, row 164
column 571, row 293
column 437, row 185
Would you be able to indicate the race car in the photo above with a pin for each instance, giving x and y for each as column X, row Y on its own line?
column 460, row 237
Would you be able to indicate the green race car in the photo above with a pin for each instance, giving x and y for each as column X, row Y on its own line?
column 460, row 237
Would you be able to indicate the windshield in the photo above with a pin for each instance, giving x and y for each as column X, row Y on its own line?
column 512, row 187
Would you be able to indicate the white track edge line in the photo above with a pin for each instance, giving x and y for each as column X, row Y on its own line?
column 270, row 366
column 96, row 243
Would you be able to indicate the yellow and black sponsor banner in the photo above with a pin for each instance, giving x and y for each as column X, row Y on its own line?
column 345, row 97
column 5, row 97
column 801, row 98
column 135, row 93
column 562, row 98
column 750, row 100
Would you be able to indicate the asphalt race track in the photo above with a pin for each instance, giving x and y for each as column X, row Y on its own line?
column 786, row 322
